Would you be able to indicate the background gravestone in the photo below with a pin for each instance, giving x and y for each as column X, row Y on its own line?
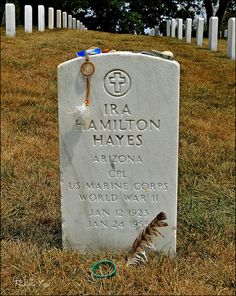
column 74, row 23
column 180, row 29
column 64, row 19
column 231, row 38
column 41, row 18
column 70, row 21
column 188, row 30
column 51, row 18
column 28, row 19
column 225, row 33
column 120, row 169
column 58, row 18
column 168, row 27
column 10, row 19
column 173, row 27
column 213, row 33
column 199, row 31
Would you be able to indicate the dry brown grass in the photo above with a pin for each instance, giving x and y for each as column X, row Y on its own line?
column 32, row 259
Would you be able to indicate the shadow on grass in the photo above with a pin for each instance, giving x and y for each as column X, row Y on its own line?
column 202, row 48
column 44, row 235
column 224, row 57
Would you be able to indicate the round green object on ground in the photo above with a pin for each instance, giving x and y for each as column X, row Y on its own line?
column 98, row 264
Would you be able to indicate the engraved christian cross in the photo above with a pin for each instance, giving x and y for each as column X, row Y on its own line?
column 117, row 80
column 117, row 83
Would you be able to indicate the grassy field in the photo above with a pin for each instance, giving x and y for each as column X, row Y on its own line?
column 33, row 262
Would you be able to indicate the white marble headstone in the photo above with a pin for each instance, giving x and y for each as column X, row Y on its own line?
column 173, row 27
column 213, row 33
column 225, row 33
column 70, row 21
column 10, row 12
column 58, row 18
column 180, row 29
column 157, row 30
column 28, row 19
column 41, row 18
column 51, row 18
column 188, row 30
column 168, row 26
column 152, row 32
column 74, row 23
column 79, row 25
column 119, row 164
column 231, row 38
column 64, row 20
column 199, row 31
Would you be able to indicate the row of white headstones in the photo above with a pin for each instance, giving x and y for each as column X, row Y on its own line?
column 174, row 28
column 62, row 19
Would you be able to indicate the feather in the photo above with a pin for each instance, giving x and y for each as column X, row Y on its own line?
column 144, row 240
column 82, row 115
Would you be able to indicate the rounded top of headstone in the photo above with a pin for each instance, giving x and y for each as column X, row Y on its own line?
column 118, row 57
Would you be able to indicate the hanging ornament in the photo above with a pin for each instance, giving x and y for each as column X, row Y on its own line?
column 82, row 113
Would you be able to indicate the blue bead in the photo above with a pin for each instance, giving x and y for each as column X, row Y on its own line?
column 81, row 53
